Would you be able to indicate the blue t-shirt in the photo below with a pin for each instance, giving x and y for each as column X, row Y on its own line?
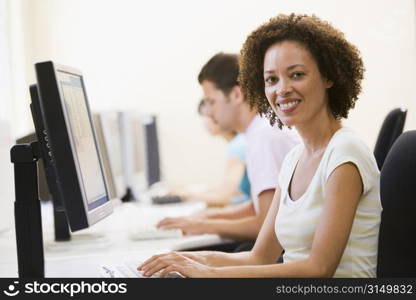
column 237, row 148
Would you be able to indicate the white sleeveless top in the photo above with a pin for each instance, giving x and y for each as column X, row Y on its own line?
column 296, row 221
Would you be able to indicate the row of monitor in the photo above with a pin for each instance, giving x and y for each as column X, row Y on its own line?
column 89, row 159
column 129, row 149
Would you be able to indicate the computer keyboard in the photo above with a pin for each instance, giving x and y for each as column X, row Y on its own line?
column 154, row 233
column 166, row 199
column 129, row 270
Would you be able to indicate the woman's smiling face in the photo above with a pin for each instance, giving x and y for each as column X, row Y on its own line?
column 293, row 84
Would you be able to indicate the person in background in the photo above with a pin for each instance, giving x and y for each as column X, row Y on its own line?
column 266, row 148
column 235, row 187
column 302, row 72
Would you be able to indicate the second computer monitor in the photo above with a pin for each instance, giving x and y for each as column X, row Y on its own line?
column 141, row 159
column 107, row 127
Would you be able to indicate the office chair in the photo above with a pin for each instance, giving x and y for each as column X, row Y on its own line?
column 390, row 130
column 397, row 239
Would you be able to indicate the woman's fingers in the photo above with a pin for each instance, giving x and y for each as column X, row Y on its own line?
column 146, row 262
column 150, row 261
column 158, row 262
column 170, row 222
column 174, row 262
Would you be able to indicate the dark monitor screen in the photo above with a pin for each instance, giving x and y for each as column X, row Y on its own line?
column 69, row 143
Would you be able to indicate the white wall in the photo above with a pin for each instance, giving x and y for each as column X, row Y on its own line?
column 6, row 178
column 6, row 168
column 146, row 55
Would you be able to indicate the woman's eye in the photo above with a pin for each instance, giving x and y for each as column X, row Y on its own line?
column 297, row 74
column 270, row 80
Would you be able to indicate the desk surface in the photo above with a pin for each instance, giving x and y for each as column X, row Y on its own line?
column 107, row 242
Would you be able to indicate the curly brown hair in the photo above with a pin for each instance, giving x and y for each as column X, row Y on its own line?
column 337, row 59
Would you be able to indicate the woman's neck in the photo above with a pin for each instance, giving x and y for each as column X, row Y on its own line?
column 317, row 134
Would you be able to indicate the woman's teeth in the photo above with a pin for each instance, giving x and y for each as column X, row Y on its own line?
column 289, row 104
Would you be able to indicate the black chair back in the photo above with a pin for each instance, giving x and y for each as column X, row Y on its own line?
column 390, row 130
column 397, row 240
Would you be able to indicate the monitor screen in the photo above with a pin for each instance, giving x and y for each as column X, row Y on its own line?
column 86, row 155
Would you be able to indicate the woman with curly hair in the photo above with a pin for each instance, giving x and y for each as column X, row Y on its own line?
column 301, row 72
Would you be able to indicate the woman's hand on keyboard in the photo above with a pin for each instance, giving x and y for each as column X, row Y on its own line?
column 175, row 262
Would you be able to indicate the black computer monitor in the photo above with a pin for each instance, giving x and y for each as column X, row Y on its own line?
column 152, row 150
column 66, row 135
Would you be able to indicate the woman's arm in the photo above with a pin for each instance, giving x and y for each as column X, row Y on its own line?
column 330, row 237
column 328, row 245
column 266, row 251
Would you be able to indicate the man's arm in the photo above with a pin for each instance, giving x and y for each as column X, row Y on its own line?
column 222, row 194
column 237, row 211
column 246, row 228
column 219, row 195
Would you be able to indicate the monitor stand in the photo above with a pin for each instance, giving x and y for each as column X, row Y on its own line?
column 27, row 213
column 62, row 232
column 60, row 222
column 128, row 196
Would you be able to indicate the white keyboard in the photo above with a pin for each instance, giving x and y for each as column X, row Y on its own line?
column 129, row 269
column 153, row 233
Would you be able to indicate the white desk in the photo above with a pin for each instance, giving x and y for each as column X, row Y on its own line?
column 106, row 242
